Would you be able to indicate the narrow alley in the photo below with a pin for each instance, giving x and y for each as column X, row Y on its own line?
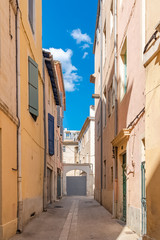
column 79, row 218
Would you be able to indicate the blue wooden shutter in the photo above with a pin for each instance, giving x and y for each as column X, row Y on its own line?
column 61, row 126
column 33, row 86
column 51, row 134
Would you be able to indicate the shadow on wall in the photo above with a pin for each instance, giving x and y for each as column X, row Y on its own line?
column 153, row 197
column 97, row 153
column 123, row 105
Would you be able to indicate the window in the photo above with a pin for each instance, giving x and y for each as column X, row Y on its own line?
column 31, row 14
column 61, row 126
column 113, row 93
column 104, row 109
column 112, row 174
column 104, row 175
column 111, row 18
column 51, row 134
column 99, row 78
column 64, row 148
column 104, row 44
column 68, row 135
column 110, row 101
column 98, row 129
column 33, row 87
column 123, row 70
column 57, row 146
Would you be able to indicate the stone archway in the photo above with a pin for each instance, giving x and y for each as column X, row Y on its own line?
column 87, row 168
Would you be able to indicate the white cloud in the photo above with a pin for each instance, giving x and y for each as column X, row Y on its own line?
column 86, row 45
column 80, row 37
column 85, row 55
column 71, row 78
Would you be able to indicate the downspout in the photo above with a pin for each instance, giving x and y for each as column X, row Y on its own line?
column 45, row 143
column 116, row 112
column 18, row 103
column 101, row 82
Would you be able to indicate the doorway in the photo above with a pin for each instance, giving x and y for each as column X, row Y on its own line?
column 124, row 186
column 143, row 199
column 49, row 174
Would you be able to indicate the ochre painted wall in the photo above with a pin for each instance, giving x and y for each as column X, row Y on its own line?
column 152, row 127
column 8, row 122
column 32, row 132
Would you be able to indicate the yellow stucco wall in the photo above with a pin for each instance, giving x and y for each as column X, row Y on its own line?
column 8, row 122
column 52, row 161
column 152, row 148
column 152, row 128
column 8, row 177
column 32, row 132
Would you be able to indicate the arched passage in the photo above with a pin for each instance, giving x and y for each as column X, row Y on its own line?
column 87, row 168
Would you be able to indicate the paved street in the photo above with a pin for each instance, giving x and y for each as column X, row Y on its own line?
column 75, row 218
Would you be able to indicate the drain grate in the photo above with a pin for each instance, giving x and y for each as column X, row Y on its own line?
column 58, row 207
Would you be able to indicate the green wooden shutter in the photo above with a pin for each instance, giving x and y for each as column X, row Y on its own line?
column 33, row 86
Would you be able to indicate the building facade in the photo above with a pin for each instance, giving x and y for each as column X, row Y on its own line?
column 52, row 100
column 86, row 149
column 59, row 137
column 30, row 105
column 31, row 111
column 70, row 147
column 8, row 120
column 120, row 110
column 152, row 139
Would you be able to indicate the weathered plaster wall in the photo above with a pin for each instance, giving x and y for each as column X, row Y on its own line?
column 8, row 122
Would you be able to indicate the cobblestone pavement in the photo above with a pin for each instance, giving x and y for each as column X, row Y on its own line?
column 75, row 218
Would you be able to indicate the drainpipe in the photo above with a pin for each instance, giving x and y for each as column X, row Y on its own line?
column 116, row 111
column 18, row 102
column 45, row 143
column 101, row 82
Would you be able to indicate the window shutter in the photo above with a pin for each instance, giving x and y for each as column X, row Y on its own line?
column 61, row 126
column 58, row 116
column 33, row 86
column 51, row 134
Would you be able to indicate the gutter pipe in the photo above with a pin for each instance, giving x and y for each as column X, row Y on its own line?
column 18, row 103
column 101, row 82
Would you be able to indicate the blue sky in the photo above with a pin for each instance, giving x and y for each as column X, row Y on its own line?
column 68, row 31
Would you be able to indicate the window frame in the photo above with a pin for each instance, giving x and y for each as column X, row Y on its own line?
column 31, row 21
